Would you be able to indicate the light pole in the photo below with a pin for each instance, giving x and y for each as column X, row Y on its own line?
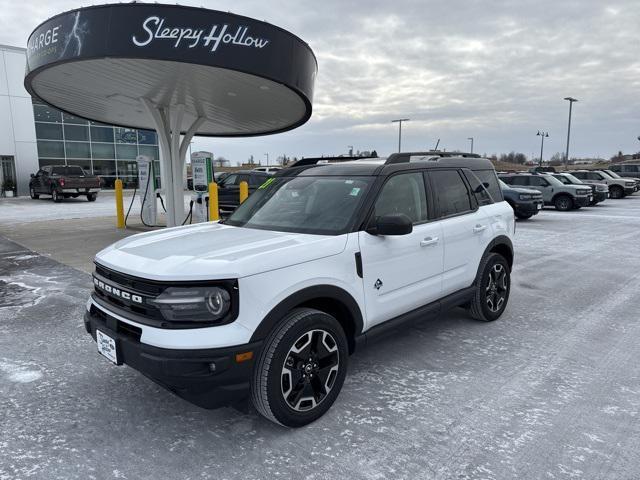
column 566, row 155
column 471, row 138
column 399, row 122
column 267, row 155
column 542, row 134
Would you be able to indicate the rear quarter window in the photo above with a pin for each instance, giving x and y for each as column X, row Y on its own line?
column 490, row 177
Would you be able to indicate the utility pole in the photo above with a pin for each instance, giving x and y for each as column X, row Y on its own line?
column 566, row 155
column 542, row 134
column 471, row 138
column 399, row 122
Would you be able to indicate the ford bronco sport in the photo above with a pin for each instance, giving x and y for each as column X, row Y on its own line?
column 554, row 192
column 270, row 303
column 618, row 187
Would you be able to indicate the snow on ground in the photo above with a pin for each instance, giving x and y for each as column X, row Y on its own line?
column 549, row 391
column 26, row 210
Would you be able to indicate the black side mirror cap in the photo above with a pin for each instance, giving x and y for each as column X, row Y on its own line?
column 33, row 176
column 392, row 224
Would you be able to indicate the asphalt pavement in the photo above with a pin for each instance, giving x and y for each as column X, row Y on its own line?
column 549, row 391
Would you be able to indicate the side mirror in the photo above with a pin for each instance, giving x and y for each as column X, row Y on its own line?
column 33, row 176
column 392, row 224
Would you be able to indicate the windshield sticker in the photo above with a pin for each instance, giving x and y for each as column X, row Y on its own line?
column 266, row 184
column 354, row 192
column 348, row 182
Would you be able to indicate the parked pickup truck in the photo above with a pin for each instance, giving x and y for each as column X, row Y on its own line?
column 64, row 181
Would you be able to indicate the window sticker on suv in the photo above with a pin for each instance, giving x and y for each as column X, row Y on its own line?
column 266, row 184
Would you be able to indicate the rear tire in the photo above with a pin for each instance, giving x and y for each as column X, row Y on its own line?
column 91, row 197
column 563, row 203
column 492, row 289
column 523, row 216
column 33, row 194
column 616, row 192
column 300, row 369
column 55, row 196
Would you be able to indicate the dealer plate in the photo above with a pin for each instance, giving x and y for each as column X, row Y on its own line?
column 107, row 346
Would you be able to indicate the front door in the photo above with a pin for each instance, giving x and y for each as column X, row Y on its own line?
column 403, row 272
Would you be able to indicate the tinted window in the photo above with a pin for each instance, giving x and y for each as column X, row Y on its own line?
column 538, row 182
column 480, row 191
column 628, row 168
column 522, row 181
column 70, row 170
column 451, row 192
column 256, row 180
column 403, row 193
column 563, row 179
column 489, row 177
column 594, row 176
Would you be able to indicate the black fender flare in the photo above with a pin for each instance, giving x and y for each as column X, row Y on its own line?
column 501, row 242
column 305, row 295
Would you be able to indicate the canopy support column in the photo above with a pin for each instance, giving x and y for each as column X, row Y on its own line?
column 167, row 121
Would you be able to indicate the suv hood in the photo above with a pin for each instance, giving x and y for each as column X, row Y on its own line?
column 530, row 191
column 212, row 251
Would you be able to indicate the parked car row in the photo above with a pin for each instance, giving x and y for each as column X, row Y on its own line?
column 528, row 192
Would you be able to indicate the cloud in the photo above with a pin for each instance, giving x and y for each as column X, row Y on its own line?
column 496, row 70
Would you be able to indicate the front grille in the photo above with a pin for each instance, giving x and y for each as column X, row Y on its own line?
column 122, row 328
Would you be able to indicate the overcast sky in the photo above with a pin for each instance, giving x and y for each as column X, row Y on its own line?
column 493, row 70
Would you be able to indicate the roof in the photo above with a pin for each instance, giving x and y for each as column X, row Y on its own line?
column 374, row 166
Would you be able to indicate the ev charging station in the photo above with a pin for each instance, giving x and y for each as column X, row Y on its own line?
column 202, row 173
column 148, row 190
column 181, row 71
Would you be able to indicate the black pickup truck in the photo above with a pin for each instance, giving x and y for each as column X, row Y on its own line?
column 64, row 181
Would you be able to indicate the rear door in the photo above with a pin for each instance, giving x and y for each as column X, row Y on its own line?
column 466, row 228
column 403, row 272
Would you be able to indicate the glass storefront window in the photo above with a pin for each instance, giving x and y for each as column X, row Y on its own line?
column 103, row 150
column 50, row 149
column 104, row 167
column 126, row 135
column 68, row 118
column 78, row 150
column 45, row 113
column 126, row 151
column 76, row 132
column 147, row 137
column 43, row 162
column 151, row 152
column 102, row 134
column 127, row 169
column 85, row 164
column 48, row 131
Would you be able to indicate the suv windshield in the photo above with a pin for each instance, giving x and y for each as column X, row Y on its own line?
column 563, row 179
column 318, row 205
column 69, row 170
column 612, row 174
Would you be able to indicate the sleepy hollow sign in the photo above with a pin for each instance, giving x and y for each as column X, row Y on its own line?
column 168, row 33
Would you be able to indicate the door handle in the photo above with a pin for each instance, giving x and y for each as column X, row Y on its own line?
column 429, row 241
column 479, row 228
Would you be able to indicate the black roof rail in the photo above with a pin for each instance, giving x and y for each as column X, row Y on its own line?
column 405, row 157
column 315, row 160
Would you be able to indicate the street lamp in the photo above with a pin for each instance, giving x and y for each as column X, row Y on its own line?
column 566, row 155
column 542, row 134
column 471, row 138
column 399, row 121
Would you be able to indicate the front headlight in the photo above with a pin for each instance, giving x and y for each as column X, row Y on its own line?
column 193, row 304
column 630, row 184
column 584, row 192
column 525, row 196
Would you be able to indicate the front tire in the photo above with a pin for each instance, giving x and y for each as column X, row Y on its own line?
column 91, row 197
column 492, row 289
column 55, row 196
column 563, row 203
column 33, row 194
column 301, row 368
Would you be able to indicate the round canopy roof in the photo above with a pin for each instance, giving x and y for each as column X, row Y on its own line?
column 244, row 76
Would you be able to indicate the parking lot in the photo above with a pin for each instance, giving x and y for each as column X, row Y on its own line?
column 551, row 390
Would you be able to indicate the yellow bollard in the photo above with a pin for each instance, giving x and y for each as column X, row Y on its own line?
column 119, row 205
column 244, row 191
column 214, row 213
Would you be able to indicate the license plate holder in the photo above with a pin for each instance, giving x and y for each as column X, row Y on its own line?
column 107, row 347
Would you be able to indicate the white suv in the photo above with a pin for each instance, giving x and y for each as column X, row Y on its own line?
column 321, row 258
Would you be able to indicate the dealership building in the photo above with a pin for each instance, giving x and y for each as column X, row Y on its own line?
column 34, row 134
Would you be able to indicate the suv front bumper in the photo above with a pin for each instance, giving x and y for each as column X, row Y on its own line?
column 583, row 201
column 209, row 378
column 531, row 207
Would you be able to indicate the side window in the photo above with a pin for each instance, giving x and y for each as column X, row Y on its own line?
column 451, row 192
column 520, row 181
column 538, row 182
column 230, row 180
column 46, row 170
column 403, row 193
column 617, row 168
column 490, row 177
column 480, row 191
column 594, row 176
column 627, row 169
column 256, row 180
